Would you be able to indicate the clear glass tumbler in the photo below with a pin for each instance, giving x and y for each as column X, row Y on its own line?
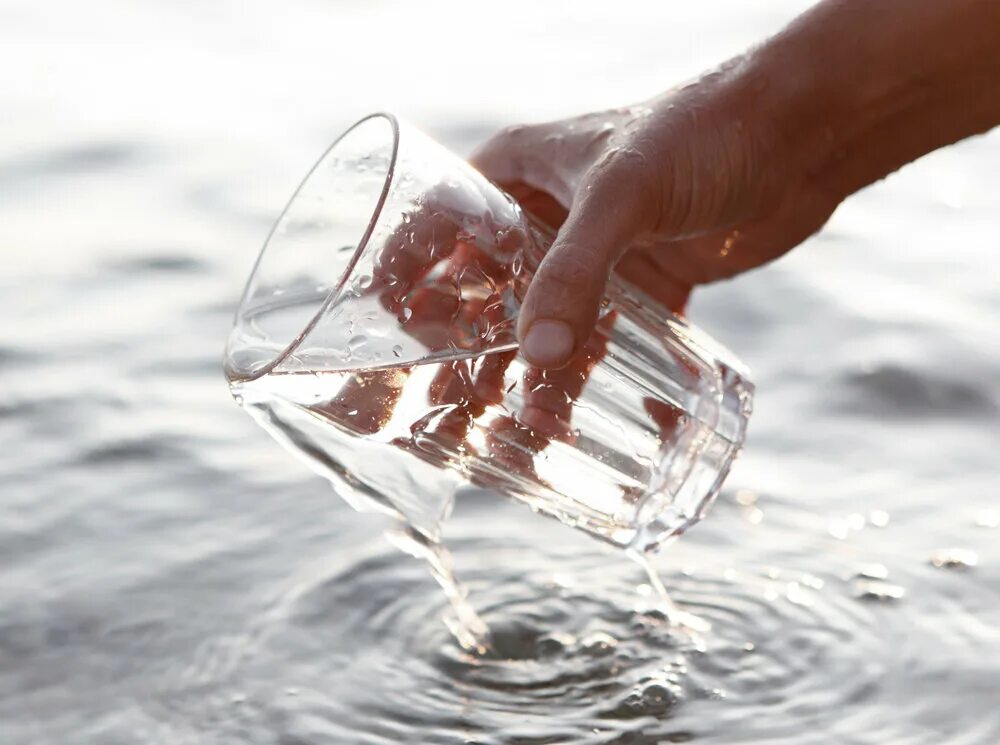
column 375, row 338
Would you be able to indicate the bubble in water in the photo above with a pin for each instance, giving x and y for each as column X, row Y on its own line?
column 954, row 558
column 598, row 643
column 653, row 697
column 397, row 350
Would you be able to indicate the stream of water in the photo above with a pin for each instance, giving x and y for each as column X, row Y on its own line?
column 169, row 575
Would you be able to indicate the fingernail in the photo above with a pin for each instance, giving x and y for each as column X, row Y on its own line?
column 548, row 343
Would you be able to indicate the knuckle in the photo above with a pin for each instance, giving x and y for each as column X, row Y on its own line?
column 628, row 175
column 513, row 136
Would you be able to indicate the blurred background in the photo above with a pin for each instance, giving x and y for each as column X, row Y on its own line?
column 168, row 574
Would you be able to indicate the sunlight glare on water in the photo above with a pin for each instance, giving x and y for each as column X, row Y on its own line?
column 170, row 575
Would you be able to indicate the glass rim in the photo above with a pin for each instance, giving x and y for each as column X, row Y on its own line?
column 362, row 244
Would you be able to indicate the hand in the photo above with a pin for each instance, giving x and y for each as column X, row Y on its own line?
column 415, row 278
column 434, row 251
column 686, row 189
column 728, row 172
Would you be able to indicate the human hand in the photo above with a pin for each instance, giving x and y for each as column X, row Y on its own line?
column 734, row 169
column 443, row 274
column 686, row 189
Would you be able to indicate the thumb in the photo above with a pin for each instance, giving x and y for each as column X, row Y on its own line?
column 612, row 207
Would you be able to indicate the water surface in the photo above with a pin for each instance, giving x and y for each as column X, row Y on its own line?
column 168, row 575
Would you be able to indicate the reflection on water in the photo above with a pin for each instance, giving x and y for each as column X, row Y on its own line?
column 168, row 575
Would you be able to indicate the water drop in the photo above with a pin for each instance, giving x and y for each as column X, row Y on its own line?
column 356, row 343
column 657, row 696
column 397, row 350
column 652, row 698
column 598, row 644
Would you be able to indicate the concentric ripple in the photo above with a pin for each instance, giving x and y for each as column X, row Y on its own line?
column 355, row 651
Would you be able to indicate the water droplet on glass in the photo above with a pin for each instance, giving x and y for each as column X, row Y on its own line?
column 397, row 351
column 357, row 343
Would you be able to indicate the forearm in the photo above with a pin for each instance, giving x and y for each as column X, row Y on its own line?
column 861, row 87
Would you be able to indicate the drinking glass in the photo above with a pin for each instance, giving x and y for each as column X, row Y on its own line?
column 375, row 339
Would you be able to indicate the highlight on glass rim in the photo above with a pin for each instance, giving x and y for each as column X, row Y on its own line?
column 629, row 371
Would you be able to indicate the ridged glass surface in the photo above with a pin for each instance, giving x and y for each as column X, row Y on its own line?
column 376, row 340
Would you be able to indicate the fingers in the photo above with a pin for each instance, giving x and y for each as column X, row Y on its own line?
column 612, row 208
column 550, row 395
column 658, row 279
column 527, row 155
column 366, row 401
column 425, row 238
column 537, row 203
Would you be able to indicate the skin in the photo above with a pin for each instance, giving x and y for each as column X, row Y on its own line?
column 708, row 180
column 738, row 167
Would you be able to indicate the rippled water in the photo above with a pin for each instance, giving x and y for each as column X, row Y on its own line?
column 167, row 575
